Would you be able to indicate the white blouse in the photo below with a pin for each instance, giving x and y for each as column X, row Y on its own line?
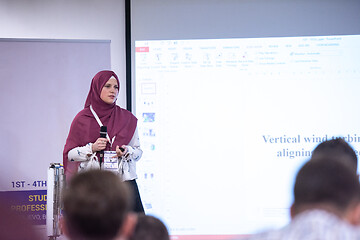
column 127, row 163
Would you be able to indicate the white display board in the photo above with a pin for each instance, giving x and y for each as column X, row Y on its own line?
column 44, row 83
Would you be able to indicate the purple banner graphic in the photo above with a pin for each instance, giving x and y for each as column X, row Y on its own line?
column 30, row 204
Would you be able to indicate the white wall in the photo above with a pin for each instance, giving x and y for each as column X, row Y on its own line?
column 69, row 19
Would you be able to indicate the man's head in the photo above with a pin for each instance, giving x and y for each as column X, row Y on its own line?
column 150, row 228
column 337, row 149
column 96, row 206
column 329, row 185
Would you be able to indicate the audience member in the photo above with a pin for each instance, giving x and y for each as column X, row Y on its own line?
column 96, row 206
column 336, row 148
column 326, row 204
column 149, row 228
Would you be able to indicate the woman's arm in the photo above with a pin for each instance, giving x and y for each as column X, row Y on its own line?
column 80, row 154
column 132, row 151
column 134, row 147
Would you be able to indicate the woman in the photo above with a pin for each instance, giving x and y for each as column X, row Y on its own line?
column 84, row 145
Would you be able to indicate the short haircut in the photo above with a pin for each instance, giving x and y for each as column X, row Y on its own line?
column 322, row 181
column 337, row 148
column 150, row 228
column 95, row 205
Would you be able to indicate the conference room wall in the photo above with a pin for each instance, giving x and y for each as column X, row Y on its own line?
column 69, row 19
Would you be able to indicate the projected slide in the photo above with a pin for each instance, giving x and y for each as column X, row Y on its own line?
column 225, row 125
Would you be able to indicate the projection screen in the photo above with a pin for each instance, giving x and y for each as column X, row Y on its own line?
column 232, row 97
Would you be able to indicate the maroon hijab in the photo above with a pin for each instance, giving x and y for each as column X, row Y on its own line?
column 85, row 129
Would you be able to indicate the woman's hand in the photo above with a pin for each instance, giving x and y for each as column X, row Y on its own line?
column 119, row 151
column 99, row 145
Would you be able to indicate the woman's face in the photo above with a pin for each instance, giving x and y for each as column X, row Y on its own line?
column 110, row 91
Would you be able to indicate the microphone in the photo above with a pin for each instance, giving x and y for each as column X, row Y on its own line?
column 103, row 133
